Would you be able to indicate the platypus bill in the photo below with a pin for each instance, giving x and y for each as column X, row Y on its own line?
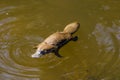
column 54, row 42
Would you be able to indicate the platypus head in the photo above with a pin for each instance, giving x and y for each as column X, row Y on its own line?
column 43, row 49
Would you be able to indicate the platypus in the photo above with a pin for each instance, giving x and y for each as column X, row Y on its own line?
column 54, row 42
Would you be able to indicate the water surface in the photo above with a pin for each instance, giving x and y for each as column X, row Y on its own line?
column 25, row 23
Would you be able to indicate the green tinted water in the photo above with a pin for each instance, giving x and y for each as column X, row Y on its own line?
column 25, row 23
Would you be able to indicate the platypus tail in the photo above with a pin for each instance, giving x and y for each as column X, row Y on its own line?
column 72, row 27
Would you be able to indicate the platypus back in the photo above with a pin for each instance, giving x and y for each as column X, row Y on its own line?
column 71, row 28
column 56, row 40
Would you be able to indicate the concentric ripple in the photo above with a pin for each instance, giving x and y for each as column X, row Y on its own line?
column 16, row 50
column 13, row 53
column 108, row 40
column 15, row 58
column 107, row 37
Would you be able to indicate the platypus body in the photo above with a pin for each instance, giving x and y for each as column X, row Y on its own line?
column 54, row 42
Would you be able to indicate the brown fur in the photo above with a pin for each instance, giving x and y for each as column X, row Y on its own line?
column 55, row 41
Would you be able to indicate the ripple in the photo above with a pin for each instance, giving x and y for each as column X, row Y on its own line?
column 107, row 38
column 103, row 38
column 7, row 20
column 16, row 50
column 11, row 61
column 15, row 57
column 6, row 9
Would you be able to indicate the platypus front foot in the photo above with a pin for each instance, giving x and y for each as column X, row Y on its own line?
column 75, row 38
column 58, row 55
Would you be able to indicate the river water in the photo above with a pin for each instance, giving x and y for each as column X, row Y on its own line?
column 26, row 23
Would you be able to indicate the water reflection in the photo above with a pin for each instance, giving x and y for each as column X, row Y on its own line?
column 107, row 37
column 108, row 43
column 104, row 38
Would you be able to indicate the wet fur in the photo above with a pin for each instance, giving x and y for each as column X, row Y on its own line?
column 55, row 41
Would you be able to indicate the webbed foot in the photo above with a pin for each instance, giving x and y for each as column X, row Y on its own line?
column 58, row 55
column 75, row 38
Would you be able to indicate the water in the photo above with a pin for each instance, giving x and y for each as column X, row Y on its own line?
column 25, row 23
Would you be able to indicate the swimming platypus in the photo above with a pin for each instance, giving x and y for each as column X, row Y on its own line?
column 54, row 42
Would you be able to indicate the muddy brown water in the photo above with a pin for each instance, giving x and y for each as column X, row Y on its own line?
column 25, row 23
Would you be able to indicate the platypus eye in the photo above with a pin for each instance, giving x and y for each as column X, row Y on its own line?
column 43, row 52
